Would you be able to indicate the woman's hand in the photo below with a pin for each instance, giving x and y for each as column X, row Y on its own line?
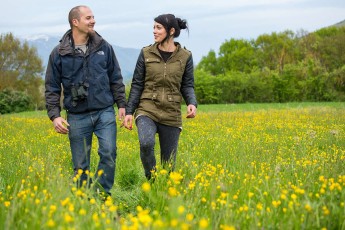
column 191, row 111
column 128, row 122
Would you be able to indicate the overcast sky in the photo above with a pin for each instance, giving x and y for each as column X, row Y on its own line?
column 129, row 23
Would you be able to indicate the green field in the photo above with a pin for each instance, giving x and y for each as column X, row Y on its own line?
column 248, row 166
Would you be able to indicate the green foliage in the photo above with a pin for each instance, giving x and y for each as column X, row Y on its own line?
column 277, row 67
column 21, row 69
column 13, row 101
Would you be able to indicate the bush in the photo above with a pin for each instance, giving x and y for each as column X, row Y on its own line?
column 12, row 101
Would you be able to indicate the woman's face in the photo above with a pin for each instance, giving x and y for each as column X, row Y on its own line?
column 159, row 32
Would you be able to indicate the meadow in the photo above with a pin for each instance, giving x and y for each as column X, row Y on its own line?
column 250, row 166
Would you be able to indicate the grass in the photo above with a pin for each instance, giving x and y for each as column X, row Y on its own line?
column 249, row 166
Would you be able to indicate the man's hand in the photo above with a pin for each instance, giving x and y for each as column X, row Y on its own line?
column 60, row 125
column 191, row 111
column 122, row 113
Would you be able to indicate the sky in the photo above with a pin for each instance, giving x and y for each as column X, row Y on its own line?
column 129, row 23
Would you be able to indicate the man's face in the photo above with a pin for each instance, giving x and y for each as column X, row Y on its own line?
column 86, row 22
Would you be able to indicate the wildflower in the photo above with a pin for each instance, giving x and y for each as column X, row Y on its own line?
column 158, row 224
column 227, row 227
column 174, row 223
column 172, row 191
column 308, row 207
column 293, row 196
column 250, row 194
column 7, row 203
column 180, row 209
column 51, row 223
column 203, row 223
column 68, row 218
column 100, row 172
column 189, row 217
column 95, row 217
column 65, row 201
column 82, row 212
column 176, row 177
column 146, row 187
column 113, row 208
column 163, row 172
column 276, row 203
column 259, row 206
column 325, row 210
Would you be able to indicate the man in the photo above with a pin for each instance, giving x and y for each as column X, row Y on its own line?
column 85, row 67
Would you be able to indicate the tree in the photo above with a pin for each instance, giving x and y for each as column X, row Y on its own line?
column 210, row 64
column 237, row 55
column 276, row 50
column 20, row 68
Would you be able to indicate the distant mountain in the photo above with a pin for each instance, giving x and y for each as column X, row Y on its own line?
column 127, row 57
column 340, row 24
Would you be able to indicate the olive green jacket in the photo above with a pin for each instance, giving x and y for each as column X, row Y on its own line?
column 158, row 87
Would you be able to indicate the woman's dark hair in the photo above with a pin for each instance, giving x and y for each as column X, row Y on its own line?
column 169, row 21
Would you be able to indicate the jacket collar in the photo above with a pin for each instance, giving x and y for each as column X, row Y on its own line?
column 67, row 43
column 154, row 48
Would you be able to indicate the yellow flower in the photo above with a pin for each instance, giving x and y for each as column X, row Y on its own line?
column 82, row 212
column 203, row 223
column 173, row 223
column 51, row 223
column 227, row 227
column 92, row 201
column 158, row 224
column 173, row 191
column 189, row 217
column 276, row 203
column 308, row 207
column 7, row 203
column 259, row 206
column 180, row 209
column 293, row 196
column 163, row 172
column 100, row 172
column 68, row 218
column 250, row 194
column 176, row 177
column 146, row 187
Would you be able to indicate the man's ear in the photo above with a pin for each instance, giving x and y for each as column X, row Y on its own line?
column 75, row 22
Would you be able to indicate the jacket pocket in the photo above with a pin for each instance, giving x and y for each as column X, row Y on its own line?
column 152, row 60
column 174, row 98
column 149, row 96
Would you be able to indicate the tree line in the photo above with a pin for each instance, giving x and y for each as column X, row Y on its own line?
column 276, row 67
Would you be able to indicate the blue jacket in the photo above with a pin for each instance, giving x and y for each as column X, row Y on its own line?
column 98, row 68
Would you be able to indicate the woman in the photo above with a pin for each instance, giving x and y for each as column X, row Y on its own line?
column 164, row 74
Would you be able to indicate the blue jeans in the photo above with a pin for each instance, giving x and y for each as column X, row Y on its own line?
column 82, row 126
column 168, row 140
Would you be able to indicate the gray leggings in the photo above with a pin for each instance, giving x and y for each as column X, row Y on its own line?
column 168, row 140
